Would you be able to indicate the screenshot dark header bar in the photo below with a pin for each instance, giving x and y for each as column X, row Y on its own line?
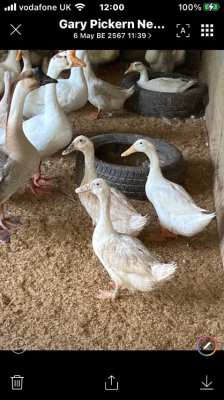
column 96, row 24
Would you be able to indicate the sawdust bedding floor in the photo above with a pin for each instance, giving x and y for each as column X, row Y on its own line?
column 49, row 275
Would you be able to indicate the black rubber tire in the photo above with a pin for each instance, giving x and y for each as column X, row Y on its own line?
column 131, row 180
column 170, row 105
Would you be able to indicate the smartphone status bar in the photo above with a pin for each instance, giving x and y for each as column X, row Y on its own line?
column 84, row 24
column 100, row 6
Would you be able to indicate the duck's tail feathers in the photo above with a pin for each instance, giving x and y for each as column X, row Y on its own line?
column 163, row 272
column 138, row 222
column 211, row 215
column 207, row 218
column 191, row 83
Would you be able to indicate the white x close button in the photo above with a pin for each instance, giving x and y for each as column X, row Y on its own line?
column 16, row 30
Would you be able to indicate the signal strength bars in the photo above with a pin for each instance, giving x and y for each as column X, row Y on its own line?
column 12, row 7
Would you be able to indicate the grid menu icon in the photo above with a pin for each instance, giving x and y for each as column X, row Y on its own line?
column 207, row 30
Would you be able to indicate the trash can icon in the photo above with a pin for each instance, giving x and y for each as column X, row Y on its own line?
column 17, row 382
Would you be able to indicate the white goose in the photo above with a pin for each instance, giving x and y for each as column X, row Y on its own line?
column 103, row 56
column 72, row 93
column 103, row 95
column 177, row 212
column 165, row 60
column 4, row 105
column 51, row 131
column 128, row 262
column 10, row 64
column 163, row 84
column 20, row 159
column 27, row 65
column 8, row 84
column 124, row 216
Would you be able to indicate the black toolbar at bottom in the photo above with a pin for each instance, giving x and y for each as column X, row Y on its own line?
column 98, row 372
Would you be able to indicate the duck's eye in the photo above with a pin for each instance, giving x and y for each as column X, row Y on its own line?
column 80, row 140
column 97, row 184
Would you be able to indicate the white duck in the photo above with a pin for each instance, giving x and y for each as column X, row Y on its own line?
column 103, row 95
column 20, row 159
column 27, row 65
column 124, row 217
column 128, row 262
column 177, row 212
column 165, row 60
column 72, row 93
column 8, row 83
column 4, row 105
column 163, row 84
column 30, row 60
column 10, row 64
column 51, row 131
column 102, row 56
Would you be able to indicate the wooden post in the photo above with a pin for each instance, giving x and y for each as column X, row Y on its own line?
column 212, row 72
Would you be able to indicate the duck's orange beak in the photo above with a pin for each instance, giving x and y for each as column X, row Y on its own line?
column 128, row 151
column 69, row 149
column 19, row 55
column 84, row 188
column 129, row 69
column 76, row 62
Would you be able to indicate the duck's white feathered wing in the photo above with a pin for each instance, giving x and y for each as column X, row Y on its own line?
column 177, row 211
column 124, row 254
column 134, row 266
column 174, row 197
column 124, row 216
column 104, row 88
column 169, row 85
column 34, row 102
column 119, row 198
column 34, row 130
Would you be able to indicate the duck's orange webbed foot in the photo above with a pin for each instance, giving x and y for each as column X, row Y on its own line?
column 40, row 185
column 106, row 294
column 109, row 294
column 163, row 235
column 96, row 115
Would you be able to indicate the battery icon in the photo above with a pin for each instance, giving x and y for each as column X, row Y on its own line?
column 211, row 7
